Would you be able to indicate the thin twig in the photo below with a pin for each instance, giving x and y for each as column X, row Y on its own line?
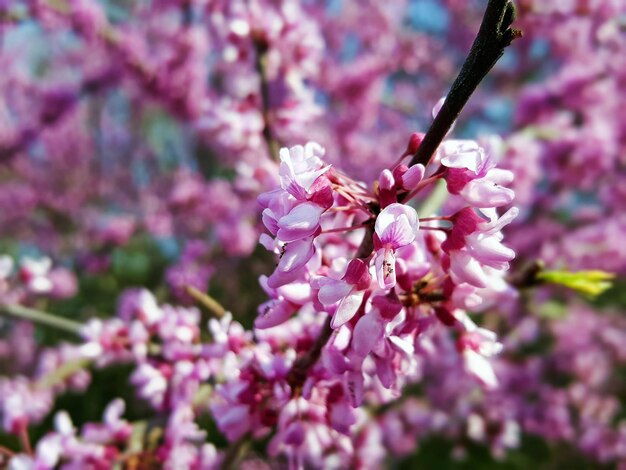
column 344, row 229
column 206, row 301
column 299, row 371
column 273, row 146
column 43, row 318
column 235, row 452
column 60, row 374
column 494, row 35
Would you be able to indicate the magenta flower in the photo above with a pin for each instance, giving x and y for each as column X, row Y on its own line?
column 293, row 258
column 113, row 427
column 292, row 213
column 300, row 167
column 471, row 174
column 302, row 221
column 34, row 274
column 475, row 245
column 477, row 345
column 347, row 292
column 396, row 226
column 284, row 301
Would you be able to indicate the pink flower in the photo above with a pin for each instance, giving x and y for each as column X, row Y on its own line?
column 34, row 273
column 475, row 244
column 285, row 300
column 300, row 167
column 373, row 327
column 347, row 293
column 471, row 174
column 292, row 213
column 302, row 221
column 396, row 226
column 151, row 384
column 112, row 429
column 293, row 258
column 477, row 345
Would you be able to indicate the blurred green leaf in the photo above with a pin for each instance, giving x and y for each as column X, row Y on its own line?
column 589, row 283
column 552, row 310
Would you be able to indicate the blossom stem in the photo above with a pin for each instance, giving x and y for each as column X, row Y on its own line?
column 351, row 198
column 43, row 318
column 349, row 194
column 494, row 35
column 422, row 184
column 344, row 229
column 25, row 439
column 6, row 452
column 367, row 244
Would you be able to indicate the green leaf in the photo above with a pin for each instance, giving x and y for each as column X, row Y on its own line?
column 588, row 283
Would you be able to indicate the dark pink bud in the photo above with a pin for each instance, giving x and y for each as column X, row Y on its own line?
column 413, row 176
column 358, row 274
column 398, row 172
column 414, row 143
column 448, row 285
column 386, row 188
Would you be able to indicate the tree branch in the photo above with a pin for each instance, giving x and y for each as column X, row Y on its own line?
column 300, row 369
column 273, row 146
column 494, row 35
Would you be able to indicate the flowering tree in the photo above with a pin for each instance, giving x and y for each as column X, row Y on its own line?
column 256, row 260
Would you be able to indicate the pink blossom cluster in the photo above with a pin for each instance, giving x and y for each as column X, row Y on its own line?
column 344, row 324
column 393, row 311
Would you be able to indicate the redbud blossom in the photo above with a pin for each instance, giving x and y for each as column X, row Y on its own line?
column 396, row 226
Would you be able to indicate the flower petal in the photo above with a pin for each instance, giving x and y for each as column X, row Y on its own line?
column 347, row 308
column 302, row 221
